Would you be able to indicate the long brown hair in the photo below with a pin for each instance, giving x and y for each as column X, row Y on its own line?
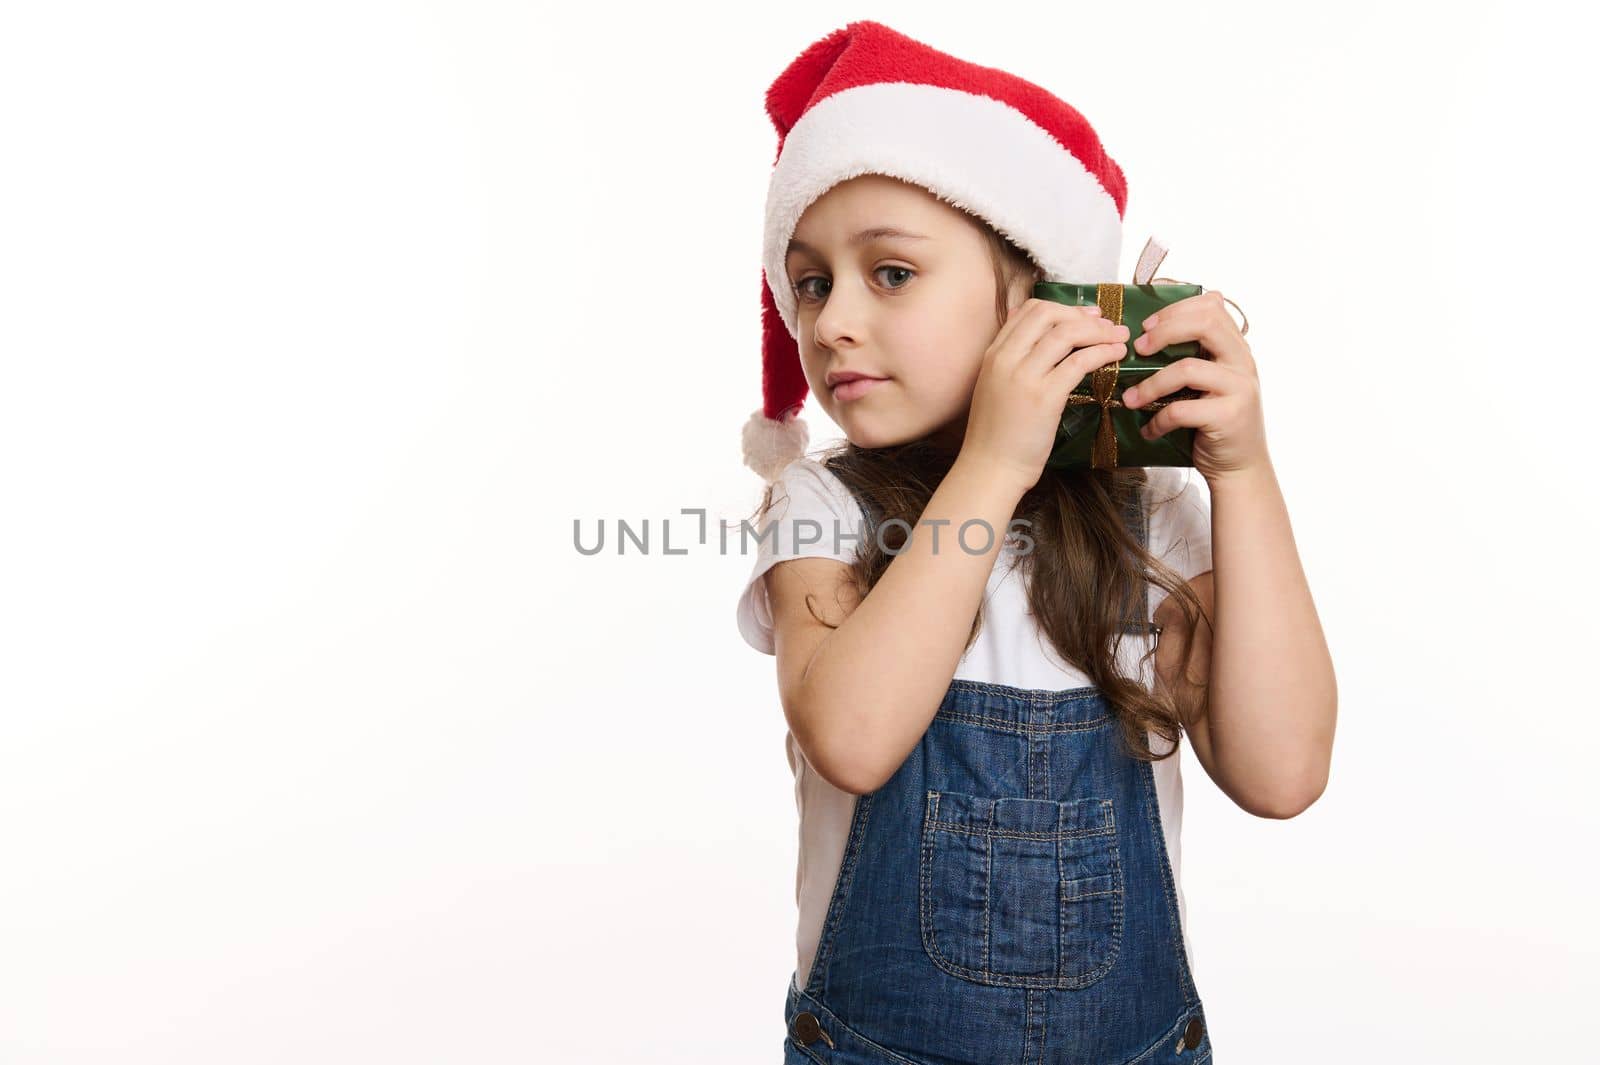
column 1085, row 570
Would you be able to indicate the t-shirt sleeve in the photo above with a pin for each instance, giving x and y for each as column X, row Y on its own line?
column 813, row 514
column 1180, row 523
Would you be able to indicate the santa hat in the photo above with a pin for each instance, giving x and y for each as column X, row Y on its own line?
column 865, row 99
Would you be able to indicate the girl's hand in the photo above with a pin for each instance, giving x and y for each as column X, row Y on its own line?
column 1230, row 435
column 1036, row 359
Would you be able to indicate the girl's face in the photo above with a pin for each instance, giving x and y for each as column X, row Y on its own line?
column 914, row 311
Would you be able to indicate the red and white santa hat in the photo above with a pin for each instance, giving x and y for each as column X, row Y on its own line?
column 866, row 99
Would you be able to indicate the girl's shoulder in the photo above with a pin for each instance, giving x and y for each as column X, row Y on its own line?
column 812, row 470
column 807, row 488
column 813, row 515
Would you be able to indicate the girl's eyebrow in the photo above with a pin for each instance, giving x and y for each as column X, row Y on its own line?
column 875, row 233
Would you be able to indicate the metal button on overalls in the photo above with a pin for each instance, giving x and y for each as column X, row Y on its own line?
column 807, row 1030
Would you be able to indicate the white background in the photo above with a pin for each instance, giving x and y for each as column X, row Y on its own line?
column 321, row 323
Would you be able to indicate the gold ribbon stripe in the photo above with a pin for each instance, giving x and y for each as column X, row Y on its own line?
column 1103, row 386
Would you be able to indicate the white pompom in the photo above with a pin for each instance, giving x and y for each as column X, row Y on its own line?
column 770, row 445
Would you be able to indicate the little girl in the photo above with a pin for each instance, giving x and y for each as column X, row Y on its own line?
column 984, row 747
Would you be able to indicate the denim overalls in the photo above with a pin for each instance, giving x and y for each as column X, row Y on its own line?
column 1005, row 898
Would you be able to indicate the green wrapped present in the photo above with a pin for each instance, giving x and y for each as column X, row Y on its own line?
column 1096, row 430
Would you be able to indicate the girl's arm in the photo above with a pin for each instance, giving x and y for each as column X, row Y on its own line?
column 858, row 697
column 1268, row 740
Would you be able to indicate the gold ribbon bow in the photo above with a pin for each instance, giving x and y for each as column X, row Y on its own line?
column 1103, row 381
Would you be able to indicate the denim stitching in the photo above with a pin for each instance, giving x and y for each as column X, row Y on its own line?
column 805, row 1050
column 830, row 1022
column 988, row 975
column 1105, row 807
column 988, row 885
column 1080, row 694
column 1152, row 806
column 1176, row 1029
column 1027, row 1019
column 1061, row 911
column 968, row 829
column 841, row 888
column 1044, row 1031
column 1002, row 724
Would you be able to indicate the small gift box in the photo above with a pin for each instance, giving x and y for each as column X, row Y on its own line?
column 1096, row 430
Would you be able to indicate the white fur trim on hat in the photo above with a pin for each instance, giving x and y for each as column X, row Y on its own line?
column 976, row 152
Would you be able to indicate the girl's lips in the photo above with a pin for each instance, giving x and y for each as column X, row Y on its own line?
column 848, row 390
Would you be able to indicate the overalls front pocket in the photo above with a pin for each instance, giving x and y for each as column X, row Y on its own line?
column 1020, row 892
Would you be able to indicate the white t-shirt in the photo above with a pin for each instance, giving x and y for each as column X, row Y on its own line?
column 1010, row 649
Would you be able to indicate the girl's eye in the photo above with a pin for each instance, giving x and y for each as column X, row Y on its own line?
column 898, row 270
column 800, row 289
column 803, row 292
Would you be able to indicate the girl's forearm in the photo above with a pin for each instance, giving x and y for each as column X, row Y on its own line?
column 875, row 682
column 1273, row 693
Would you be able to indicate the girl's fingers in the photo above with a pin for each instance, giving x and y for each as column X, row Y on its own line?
column 1070, row 337
column 1076, row 367
column 1186, row 414
column 1082, row 362
column 1038, row 319
column 1025, row 316
column 1204, row 318
column 1203, row 374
